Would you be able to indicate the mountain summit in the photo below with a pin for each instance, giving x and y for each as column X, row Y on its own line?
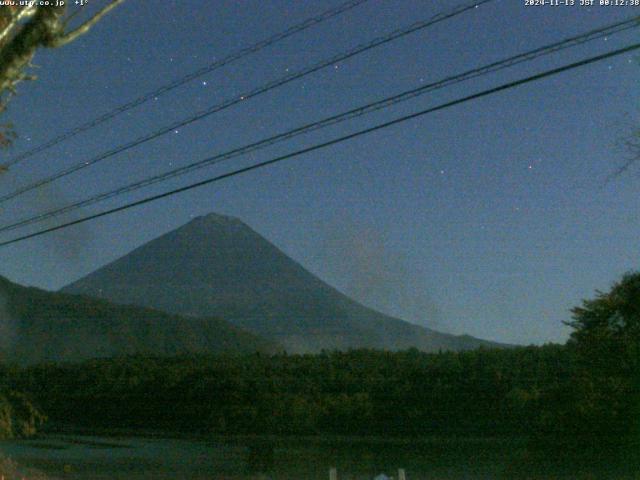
column 217, row 266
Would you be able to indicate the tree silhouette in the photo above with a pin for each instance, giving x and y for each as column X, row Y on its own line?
column 23, row 30
column 606, row 342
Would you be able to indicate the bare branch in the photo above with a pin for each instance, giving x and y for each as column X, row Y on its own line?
column 25, row 29
column 17, row 54
column 61, row 40
column 68, row 19
column 15, row 20
column 632, row 146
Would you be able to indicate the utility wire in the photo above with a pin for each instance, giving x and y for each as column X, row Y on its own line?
column 484, row 93
column 394, row 35
column 308, row 23
column 591, row 35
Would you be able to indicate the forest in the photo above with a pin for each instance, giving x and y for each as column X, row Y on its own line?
column 584, row 393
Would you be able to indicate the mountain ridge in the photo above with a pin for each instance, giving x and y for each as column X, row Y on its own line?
column 40, row 326
column 216, row 265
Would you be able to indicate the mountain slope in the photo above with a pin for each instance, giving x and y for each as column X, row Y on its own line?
column 218, row 266
column 44, row 326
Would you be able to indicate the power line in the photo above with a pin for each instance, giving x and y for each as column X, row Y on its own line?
column 334, row 141
column 308, row 23
column 394, row 35
column 580, row 39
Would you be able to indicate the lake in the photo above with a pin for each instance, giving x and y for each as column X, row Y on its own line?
column 133, row 458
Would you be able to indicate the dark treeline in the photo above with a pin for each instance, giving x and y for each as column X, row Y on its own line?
column 484, row 392
column 585, row 392
column 18, row 416
column 356, row 393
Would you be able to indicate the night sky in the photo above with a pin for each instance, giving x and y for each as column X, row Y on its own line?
column 491, row 218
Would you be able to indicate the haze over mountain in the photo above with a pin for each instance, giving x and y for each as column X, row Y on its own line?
column 38, row 326
column 218, row 266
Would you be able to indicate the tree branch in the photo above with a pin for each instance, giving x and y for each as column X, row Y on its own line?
column 69, row 37
column 16, row 55
column 19, row 41
column 15, row 19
